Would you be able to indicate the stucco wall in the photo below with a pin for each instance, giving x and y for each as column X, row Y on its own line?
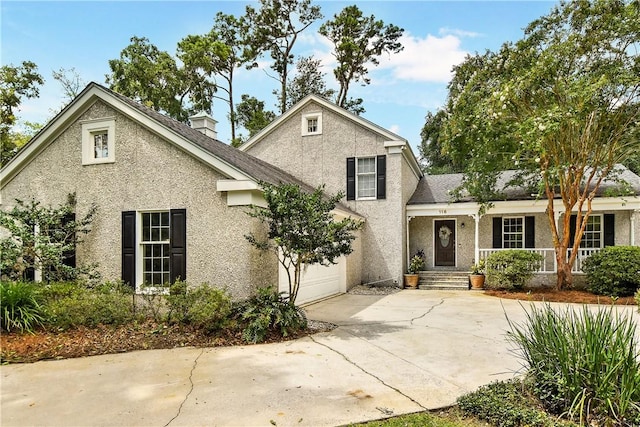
column 148, row 174
column 321, row 159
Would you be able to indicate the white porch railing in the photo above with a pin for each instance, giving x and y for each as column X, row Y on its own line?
column 548, row 263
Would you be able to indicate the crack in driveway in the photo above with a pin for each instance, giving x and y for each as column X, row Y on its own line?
column 193, row 368
column 428, row 311
column 344, row 356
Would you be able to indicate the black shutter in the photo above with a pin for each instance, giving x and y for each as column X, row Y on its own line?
column 129, row 248
column 609, row 229
column 69, row 256
column 351, row 178
column 572, row 230
column 381, row 174
column 529, row 232
column 497, row 232
column 178, row 243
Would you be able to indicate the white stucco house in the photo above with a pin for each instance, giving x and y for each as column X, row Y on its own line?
column 171, row 198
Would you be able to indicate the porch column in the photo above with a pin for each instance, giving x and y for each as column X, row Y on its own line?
column 476, row 251
column 408, row 257
column 632, row 235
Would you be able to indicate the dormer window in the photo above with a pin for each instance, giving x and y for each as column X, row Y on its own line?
column 98, row 141
column 312, row 124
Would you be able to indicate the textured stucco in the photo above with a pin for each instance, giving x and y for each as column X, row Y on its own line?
column 421, row 237
column 321, row 159
column 149, row 173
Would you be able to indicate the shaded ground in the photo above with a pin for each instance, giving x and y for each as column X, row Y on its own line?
column 16, row 347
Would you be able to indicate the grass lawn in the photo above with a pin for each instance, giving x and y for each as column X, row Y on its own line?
column 451, row 417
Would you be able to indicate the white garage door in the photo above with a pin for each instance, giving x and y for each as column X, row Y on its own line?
column 317, row 281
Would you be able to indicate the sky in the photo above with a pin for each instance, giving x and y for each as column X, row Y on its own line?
column 85, row 35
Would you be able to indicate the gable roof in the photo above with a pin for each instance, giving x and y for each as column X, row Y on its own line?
column 434, row 189
column 227, row 160
column 309, row 99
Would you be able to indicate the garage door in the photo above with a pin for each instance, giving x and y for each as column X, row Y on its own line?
column 317, row 281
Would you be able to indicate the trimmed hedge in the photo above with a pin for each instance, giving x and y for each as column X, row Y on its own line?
column 511, row 269
column 613, row 271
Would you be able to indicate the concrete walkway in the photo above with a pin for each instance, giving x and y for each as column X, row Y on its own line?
column 391, row 355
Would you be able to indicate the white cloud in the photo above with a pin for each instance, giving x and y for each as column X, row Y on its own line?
column 427, row 59
column 457, row 32
column 395, row 129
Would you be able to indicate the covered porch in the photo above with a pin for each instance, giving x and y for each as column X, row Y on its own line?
column 455, row 235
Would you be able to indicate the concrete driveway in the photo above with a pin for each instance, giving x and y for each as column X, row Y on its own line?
column 391, row 355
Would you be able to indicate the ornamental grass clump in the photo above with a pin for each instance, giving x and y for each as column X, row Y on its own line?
column 20, row 307
column 583, row 363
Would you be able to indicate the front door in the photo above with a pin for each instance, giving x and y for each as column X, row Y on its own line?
column 444, row 234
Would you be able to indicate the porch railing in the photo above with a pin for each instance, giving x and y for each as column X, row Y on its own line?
column 548, row 263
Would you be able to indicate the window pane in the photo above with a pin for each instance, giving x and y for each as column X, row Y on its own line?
column 367, row 165
column 155, row 219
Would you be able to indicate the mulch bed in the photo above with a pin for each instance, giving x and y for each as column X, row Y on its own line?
column 42, row 345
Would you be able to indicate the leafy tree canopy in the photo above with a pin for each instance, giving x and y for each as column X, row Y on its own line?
column 308, row 80
column 358, row 41
column 560, row 106
column 153, row 77
column 302, row 229
column 252, row 116
column 16, row 83
column 275, row 29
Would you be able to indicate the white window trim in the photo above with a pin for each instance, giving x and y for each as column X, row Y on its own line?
column 601, row 232
column 305, row 123
column 375, row 178
column 524, row 234
column 149, row 290
column 90, row 127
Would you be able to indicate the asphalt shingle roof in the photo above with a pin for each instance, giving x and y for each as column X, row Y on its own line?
column 433, row 189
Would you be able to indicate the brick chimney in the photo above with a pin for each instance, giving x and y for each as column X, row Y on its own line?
column 202, row 122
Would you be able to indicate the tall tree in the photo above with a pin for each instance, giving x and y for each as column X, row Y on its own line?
column 301, row 229
column 220, row 52
column 561, row 106
column 16, row 83
column 357, row 42
column 252, row 116
column 308, row 80
column 436, row 160
column 152, row 77
column 71, row 82
column 275, row 28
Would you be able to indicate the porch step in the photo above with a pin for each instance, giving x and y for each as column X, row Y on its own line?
column 456, row 280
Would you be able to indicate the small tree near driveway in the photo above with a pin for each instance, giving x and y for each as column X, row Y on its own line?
column 301, row 229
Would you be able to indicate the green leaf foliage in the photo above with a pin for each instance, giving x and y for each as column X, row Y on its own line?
column 511, row 269
column 203, row 307
column 560, row 106
column 358, row 41
column 269, row 311
column 20, row 307
column 275, row 28
column 16, row 83
column 508, row 404
column 613, row 271
column 301, row 229
column 44, row 238
column 582, row 363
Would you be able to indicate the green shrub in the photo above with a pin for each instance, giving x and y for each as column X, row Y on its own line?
column 583, row 363
column 511, row 269
column 506, row 404
column 613, row 271
column 70, row 305
column 638, row 299
column 267, row 311
column 203, row 306
column 19, row 306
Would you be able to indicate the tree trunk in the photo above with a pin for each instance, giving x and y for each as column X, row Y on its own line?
column 565, row 276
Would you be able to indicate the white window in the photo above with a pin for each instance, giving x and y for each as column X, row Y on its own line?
column 155, row 248
column 98, row 141
column 592, row 237
column 366, row 178
column 312, row 124
column 513, row 232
